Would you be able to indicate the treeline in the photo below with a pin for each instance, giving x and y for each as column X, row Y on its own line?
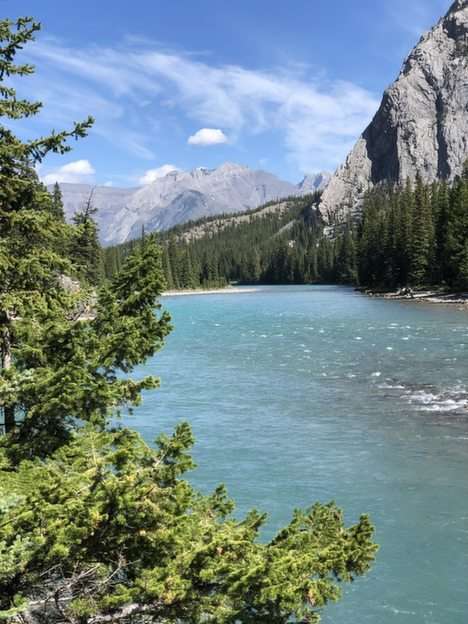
column 282, row 246
column 414, row 236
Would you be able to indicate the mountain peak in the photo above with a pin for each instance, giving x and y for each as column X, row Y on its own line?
column 177, row 198
column 420, row 127
column 314, row 181
column 230, row 167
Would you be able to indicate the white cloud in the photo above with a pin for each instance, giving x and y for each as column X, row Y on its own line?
column 78, row 171
column 151, row 175
column 315, row 119
column 208, row 136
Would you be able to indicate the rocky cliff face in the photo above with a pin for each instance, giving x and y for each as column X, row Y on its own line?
column 178, row 197
column 421, row 125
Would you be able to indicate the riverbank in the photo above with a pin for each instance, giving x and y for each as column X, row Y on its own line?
column 433, row 296
column 437, row 296
column 230, row 290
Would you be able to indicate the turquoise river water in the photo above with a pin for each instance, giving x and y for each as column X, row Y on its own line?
column 319, row 393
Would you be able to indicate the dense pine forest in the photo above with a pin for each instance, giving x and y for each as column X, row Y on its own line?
column 279, row 243
column 414, row 236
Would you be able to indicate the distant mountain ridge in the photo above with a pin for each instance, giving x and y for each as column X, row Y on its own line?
column 421, row 125
column 181, row 196
column 315, row 182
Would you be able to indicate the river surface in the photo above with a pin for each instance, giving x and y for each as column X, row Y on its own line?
column 319, row 393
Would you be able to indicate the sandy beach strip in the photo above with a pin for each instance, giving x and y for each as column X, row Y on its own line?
column 214, row 291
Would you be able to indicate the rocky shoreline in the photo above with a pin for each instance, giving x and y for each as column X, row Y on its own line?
column 438, row 296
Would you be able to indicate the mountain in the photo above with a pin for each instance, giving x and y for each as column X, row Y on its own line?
column 315, row 182
column 108, row 200
column 421, row 125
column 178, row 197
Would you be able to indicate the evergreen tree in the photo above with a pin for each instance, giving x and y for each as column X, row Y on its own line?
column 421, row 236
column 167, row 268
column 241, row 248
column 85, row 249
column 441, row 228
column 95, row 525
column 31, row 236
column 404, row 232
column 371, row 238
column 57, row 203
column 188, row 278
column 108, row 530
column 345, row 266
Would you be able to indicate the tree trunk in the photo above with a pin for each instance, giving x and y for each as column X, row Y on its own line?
column 8, row 411
column 9, row 419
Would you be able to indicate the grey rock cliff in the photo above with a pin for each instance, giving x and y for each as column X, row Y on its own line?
column 421, row 126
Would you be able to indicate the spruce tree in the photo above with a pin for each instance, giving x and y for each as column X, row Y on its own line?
column 31, row 236
column 167, row 268
column 421, row 236
column 345, row 265
column 443, row 210
column 404, row 235
column 57, row 203
column 109, row 530
column 455, row 236
column 85, row 248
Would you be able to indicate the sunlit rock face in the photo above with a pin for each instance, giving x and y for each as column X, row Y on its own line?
column 421, row 126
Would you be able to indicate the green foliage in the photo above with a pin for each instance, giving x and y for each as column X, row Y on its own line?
column 108, row 526
column 415, row 236
column 276, row 246
column 66, row 368
column 345, row 262
column 421, row 235
column 32, row 235
column 85, row 250
column 62, row 346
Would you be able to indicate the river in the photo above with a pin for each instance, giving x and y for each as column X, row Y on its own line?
column 304, row 394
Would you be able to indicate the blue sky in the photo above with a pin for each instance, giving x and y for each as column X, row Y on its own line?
column 282, row 86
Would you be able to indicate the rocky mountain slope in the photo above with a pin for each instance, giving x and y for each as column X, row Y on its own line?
column 181, row 196
column 421, row 125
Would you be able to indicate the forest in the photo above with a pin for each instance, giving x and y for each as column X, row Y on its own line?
column 415, row 235
column 283, row 246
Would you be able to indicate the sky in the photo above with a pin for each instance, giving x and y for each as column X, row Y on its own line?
column 282, row 86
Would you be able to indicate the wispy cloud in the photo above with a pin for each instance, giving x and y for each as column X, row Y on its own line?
column 129, row 86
